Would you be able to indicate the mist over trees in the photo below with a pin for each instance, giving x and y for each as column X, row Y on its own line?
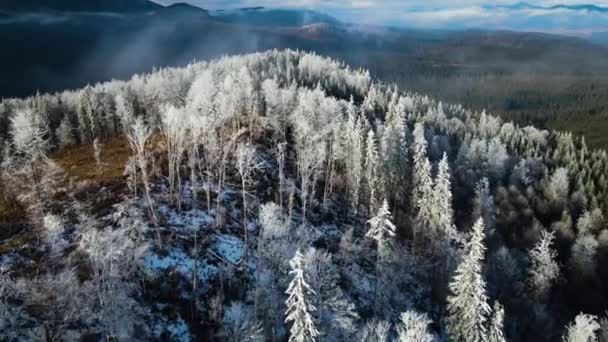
column 285, row 196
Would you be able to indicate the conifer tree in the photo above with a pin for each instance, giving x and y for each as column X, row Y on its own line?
column 445, row 231
column 496, row 328
column 371, row 169
column 422, row 196
column 468, row 310
column 381, row 227
column 300, row 309
column 382, row 230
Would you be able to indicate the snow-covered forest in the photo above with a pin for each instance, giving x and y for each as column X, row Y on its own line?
column 284, row 196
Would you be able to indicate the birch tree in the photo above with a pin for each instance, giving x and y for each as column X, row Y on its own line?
column 138, row 135
column 247, row 163
column 31, row 142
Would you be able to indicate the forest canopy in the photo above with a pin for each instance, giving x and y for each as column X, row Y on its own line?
column 284, row 195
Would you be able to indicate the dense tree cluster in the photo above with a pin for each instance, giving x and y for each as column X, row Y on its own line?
column 334, row 208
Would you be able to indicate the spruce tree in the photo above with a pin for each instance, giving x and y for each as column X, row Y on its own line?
column 300, row 309
column 496, row 328
column 468, row 309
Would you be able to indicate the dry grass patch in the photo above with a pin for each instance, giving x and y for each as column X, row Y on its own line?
column 79, row 161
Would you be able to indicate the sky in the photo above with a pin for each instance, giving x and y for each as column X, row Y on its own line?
column 441, row 14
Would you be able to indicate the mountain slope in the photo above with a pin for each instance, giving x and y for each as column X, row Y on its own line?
column 264, row 158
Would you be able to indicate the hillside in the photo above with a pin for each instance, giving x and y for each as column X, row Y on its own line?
column 287, row 195
column 546, row 80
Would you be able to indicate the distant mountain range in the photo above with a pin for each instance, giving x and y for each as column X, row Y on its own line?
column 260, row 16
column 580, row 7
column 50, row 45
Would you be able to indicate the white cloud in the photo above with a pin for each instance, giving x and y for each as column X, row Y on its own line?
column 441, row 14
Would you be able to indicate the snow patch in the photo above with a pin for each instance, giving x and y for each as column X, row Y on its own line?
column 229, row 247
column 182, row 263
column 190, row 220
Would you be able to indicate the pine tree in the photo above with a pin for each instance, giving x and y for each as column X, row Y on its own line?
column 422, row 196
column 445, row 231
column 381, row 227
column 371, row 169
column 496, row 328
column 484, row 204
column 468, row 309
column 300, row 309
column 382, row 230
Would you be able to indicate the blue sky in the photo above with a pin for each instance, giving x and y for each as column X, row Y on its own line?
column 441, row 14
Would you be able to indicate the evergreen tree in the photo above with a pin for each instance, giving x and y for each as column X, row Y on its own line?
column 468, row 309
column 445, row 231
column 422, row 197
column 381, row 227
column 371, row 169
column 496, row 329
column 300, row 309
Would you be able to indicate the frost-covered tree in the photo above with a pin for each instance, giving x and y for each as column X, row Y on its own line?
column 468, row 309
column 174, row 132
column 414, row 327
column 376, row 331
column 371, row 170
column 353, row 153
column 583, row 329
column 65, row 132
column 300, row 310
column 280, row 153
column 247, row 162
column 138, row 134
column 557, row 189
column 30, row 141
column 196, row 128
column 544, row 270
column 422, row 197
column 310, row 159
column 484, row 205
column 444, row 229
column 381, row 227
column 335, row 314
column 382, row 230
column 590, row 222
column 496, row 325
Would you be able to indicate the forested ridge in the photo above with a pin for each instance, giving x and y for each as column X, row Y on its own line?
column 285, row 196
